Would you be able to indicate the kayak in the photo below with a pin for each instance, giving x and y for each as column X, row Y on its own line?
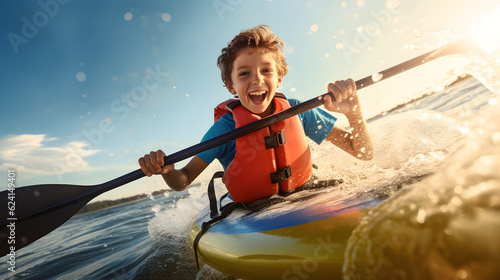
column 303, row 237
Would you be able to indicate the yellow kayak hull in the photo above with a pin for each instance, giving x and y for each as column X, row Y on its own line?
column 304, row 243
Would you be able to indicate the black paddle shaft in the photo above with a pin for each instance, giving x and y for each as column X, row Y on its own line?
column 40, row 209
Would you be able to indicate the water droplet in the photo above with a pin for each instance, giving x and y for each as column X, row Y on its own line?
column 81, row 77
column 314, row 27
column 461, row 274
column 128, row 16
column 421, row 215
column 377, row 77
column 443, row 208
column 456, row 200
column 496, row 137
column 418, row 33
column 151, row 196
column 339, row 46
column 434, row 198
column 156, row 208
column 166, row 17
column 392, row 4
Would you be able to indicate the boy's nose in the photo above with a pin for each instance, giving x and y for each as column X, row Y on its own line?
column 258, row 79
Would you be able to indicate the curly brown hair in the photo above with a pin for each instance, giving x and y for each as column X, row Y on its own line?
column 262, row 39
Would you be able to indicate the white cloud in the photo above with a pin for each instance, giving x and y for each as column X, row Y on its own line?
column 32, row 155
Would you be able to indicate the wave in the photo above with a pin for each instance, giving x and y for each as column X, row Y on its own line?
column 445, row 97
column 444, row 227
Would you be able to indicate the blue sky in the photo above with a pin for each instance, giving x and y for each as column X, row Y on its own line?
column 90, row 86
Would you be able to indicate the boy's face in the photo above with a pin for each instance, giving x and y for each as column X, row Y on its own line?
column 255, row 80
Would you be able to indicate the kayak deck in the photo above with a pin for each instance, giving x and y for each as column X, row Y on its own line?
column 305, row 237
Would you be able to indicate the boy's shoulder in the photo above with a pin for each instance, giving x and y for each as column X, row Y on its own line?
column 225, row 123
column 293, row 101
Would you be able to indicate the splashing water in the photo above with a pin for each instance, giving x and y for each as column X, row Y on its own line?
column 168, row 231
column 407, row 145
column 377, row 77
column 446, row 226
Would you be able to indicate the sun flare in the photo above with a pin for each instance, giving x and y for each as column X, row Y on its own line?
column 485, row 32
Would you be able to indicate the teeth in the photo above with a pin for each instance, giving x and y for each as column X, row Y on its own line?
column 258, row 92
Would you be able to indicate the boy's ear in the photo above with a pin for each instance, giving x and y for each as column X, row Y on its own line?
column 280, row 79
column 230, row 88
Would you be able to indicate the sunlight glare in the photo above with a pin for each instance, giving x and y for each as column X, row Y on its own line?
column 485, row 32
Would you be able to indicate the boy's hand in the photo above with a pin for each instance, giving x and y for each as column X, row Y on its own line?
column 153, row 162
column 346, row 97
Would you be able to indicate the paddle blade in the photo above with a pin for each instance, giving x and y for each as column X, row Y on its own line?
column 38, row 210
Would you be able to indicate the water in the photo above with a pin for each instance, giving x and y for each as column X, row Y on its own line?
column 452, row 138
column 444, row 227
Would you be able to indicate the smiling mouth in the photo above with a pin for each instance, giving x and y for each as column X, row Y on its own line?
column 257, row 96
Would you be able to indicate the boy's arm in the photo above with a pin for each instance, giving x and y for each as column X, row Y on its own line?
column 176, row 179
column 357, row 142
column 180, row 179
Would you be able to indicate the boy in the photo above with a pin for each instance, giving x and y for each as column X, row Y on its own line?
column 274, row 159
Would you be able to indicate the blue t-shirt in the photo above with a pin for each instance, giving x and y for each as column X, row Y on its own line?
column 316, row 122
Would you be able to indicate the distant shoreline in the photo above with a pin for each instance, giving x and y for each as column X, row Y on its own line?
column 111, row 203
column 397, row 107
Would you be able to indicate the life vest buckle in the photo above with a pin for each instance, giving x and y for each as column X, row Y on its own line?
column 275, row 140
column 281, row 175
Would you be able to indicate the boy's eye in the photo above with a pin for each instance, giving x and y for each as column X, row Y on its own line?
column 268, row 70
column 244, row 73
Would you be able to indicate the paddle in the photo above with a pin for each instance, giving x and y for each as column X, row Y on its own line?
column 40, row 209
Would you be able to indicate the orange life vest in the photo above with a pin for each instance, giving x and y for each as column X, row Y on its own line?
column 268, row 160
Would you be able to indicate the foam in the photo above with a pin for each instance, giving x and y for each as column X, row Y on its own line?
column 446, row 226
